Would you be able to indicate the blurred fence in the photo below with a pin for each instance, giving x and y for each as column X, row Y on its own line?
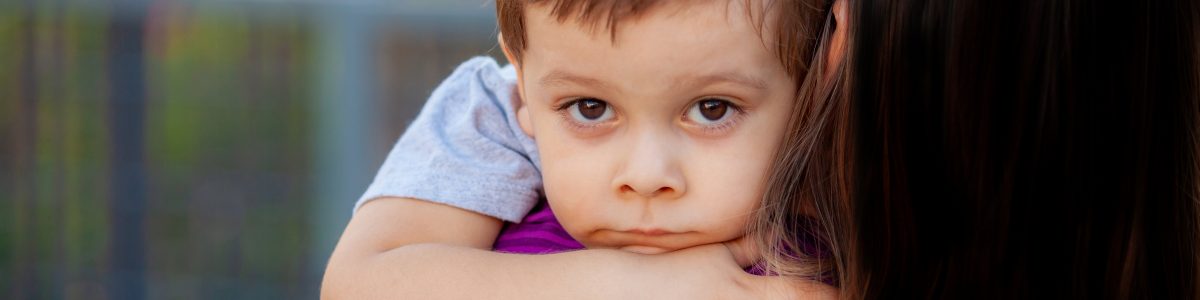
column 203, row 149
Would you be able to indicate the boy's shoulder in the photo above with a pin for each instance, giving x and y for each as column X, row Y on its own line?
column 478, row 84
column 481, row 90
column 484, row 70
column 465, row 148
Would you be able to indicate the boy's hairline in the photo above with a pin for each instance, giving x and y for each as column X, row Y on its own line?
column 591, row 19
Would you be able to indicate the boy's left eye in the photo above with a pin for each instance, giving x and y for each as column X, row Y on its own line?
column 710, row 111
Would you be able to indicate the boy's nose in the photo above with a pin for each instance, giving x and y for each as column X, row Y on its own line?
column 651, row 170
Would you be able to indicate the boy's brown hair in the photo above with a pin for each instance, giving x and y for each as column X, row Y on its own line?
column 796, row 24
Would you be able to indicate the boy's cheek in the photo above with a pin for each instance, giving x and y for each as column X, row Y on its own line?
column 568, row 214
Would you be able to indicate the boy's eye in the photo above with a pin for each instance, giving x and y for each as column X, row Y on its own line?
column 590, row 111
column 709, row 111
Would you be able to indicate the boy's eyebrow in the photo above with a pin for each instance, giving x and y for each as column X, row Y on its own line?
column 559, row 77
column 730, row 77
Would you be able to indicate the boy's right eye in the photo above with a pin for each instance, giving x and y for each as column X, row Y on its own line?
column 589, row 111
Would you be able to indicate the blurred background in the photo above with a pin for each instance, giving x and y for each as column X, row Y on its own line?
column 172, row 149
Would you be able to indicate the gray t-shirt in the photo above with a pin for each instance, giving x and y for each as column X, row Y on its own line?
column 465, row 148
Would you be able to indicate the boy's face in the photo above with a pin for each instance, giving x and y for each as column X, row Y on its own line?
column 659, row 140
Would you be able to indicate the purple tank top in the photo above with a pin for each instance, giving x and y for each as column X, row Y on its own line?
column 540, row 233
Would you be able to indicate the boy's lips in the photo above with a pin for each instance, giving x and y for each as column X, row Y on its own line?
column 641, row 249
column 648, row 231
column 647, row 240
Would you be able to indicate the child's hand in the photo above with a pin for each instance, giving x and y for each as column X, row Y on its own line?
column 715, row 271
column 721, row 266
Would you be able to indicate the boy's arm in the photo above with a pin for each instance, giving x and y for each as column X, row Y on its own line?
column 405, row 248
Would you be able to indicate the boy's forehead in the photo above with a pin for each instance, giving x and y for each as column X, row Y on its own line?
column 608, row 19
column 672, row 49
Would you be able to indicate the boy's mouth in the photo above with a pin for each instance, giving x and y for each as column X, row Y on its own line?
column 642, row 249
column 648, row 232
column 647, row 240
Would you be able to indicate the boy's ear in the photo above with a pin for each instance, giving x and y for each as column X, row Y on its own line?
column 507, row 53
column 837, row 43
column 518, row 100
column 523, row 120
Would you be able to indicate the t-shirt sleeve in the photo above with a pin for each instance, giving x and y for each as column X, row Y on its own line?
column 465, row 148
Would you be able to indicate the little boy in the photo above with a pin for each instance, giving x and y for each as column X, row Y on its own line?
column 652, row 135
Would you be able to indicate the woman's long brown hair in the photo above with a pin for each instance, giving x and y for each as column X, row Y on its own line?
column 1000, row 149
